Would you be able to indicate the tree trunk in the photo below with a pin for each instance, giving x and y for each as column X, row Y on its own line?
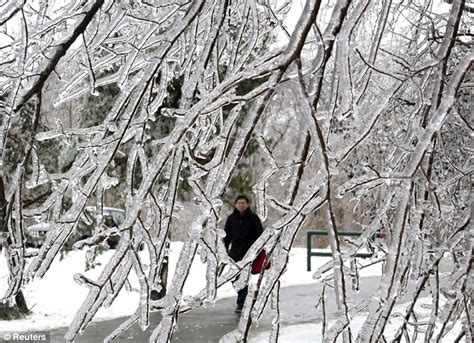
column 21, row 302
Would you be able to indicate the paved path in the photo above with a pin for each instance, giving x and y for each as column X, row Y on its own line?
column 209, row 324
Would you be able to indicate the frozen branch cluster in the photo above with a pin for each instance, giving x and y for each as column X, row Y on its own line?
column 379, row 93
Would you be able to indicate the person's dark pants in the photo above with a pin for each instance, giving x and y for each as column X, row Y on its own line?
column 241, row 295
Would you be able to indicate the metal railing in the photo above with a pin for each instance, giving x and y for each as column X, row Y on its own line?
column 311, row 253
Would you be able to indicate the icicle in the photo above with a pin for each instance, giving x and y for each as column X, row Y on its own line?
column 40, row 175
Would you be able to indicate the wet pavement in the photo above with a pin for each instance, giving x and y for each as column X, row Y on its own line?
column 297, row 305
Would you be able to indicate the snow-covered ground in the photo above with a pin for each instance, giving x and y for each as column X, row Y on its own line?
column 55, row 298
column 312, row 332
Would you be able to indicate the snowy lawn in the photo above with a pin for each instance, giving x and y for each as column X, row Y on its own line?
column 55, row 299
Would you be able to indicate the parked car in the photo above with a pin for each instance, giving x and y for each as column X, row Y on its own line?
column 85, row 227
column 36, row 233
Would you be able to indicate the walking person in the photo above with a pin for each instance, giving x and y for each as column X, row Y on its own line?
column 242, row 229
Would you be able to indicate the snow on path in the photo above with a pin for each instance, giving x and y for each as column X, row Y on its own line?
column 312, row 332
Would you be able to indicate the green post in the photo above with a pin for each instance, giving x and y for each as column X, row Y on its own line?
column 308, row 252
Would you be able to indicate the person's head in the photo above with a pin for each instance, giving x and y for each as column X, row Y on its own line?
column 241, row 203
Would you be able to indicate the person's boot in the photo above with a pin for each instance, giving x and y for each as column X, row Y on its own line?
column 239, row 307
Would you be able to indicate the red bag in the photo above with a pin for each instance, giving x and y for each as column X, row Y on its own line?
column 258, row 262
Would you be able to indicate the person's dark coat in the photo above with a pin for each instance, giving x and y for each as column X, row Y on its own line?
column 242, row 230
